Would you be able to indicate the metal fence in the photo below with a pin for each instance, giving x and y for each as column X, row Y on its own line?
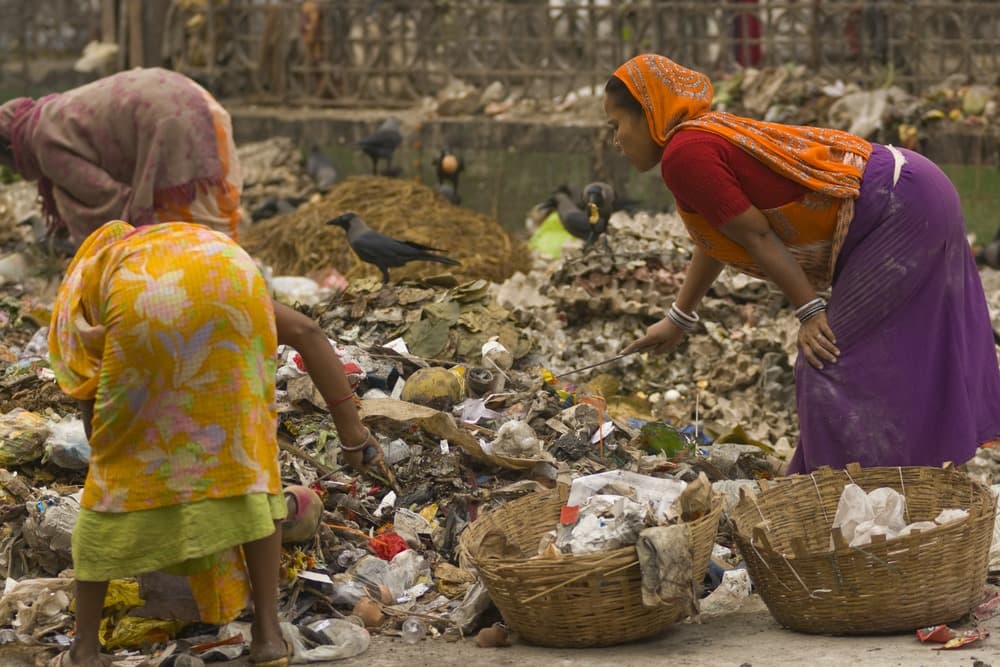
column 385, row 52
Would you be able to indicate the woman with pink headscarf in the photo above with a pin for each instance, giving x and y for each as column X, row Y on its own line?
column 144, row 146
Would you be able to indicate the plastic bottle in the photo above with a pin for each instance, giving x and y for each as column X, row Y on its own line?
column 413, row 630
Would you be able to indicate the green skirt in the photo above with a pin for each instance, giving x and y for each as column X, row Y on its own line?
column 181, row 539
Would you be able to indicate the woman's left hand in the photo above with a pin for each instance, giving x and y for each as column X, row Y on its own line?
column 817, row 342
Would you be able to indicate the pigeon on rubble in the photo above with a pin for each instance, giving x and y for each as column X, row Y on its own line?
column 382, row 143
column 321, row 169
column 384, row 251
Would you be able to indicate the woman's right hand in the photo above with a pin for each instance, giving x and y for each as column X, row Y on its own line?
column 660, row 337
column 361, row 449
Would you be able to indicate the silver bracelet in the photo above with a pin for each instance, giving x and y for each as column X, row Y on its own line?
column 684, row 321
column 810, row 309
column 357, row 448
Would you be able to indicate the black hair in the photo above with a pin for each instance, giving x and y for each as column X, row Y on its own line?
column 621, row 96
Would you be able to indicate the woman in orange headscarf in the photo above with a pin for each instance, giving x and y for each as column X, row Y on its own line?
column 899, row 366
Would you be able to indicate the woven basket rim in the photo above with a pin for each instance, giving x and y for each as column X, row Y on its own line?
column 584, row 559
column 749, row 502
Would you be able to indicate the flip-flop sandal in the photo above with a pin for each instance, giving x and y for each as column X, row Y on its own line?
column 283, row 661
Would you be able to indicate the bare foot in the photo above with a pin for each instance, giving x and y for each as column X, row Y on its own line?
column 265, row 651
column 80, row 659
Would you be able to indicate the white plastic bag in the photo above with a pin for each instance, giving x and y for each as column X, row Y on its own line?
column 67, row 444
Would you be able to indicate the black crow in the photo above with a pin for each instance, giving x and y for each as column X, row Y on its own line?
column 384, row 251
column 576, row 221
column 319, row 166
column 599, row 201
column 382, row 143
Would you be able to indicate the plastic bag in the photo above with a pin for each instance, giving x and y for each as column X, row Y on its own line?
column 346, row 639
column 296, row 289
column 405, row 570
column 67, row 445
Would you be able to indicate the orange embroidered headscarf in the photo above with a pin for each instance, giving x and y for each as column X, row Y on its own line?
column 674, row 97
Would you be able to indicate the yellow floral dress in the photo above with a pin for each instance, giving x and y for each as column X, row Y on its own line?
column 169, row 329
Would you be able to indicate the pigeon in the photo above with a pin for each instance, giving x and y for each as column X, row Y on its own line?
column 382, row 143
column 384, row 251
column 319, row 166
column 448, row 166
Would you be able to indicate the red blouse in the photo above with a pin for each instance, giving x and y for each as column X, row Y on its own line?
column 713, row 177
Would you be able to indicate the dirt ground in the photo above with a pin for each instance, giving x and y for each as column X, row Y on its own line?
column 748, row 637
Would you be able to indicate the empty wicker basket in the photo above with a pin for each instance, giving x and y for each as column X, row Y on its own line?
column 923, row 579
column 573, row 600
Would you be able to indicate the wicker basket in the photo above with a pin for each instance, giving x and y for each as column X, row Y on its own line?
column 923, row 579
column 573, row 601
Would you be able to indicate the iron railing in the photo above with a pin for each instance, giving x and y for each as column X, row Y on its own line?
column 393, row 52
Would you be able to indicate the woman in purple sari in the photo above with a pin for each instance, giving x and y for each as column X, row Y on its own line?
column 898, row 367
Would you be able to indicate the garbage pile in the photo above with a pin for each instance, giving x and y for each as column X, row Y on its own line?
column 794, row 94
column 459, row 374
column 791, row 93
column 584, row 308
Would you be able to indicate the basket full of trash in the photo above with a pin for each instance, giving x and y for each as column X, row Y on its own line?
column 867, row 550
column 614, row 558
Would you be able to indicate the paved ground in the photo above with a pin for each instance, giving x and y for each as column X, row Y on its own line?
column 748, row 637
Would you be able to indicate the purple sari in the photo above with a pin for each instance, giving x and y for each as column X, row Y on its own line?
column 917, row 382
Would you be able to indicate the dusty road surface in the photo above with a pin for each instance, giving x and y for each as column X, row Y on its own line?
column 748, row 637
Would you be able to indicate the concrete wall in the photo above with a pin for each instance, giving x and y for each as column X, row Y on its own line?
column 514, row 164
column 509, row 165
